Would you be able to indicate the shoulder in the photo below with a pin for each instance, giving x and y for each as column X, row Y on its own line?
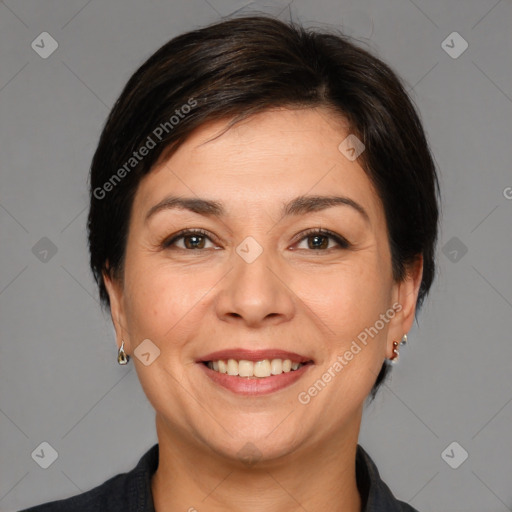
column 127, row 492
column 103, row 497
column 377, row 496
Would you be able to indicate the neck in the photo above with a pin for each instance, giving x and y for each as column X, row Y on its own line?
column 192, row 478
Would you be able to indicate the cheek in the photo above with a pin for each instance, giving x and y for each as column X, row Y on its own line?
column 159, row 298
column 350, row 303
column 349, row 297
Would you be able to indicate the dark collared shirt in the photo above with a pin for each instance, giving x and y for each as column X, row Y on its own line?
column 131, row 491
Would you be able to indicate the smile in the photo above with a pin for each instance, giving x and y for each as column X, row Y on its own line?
column 254, row 373
column 255, row 369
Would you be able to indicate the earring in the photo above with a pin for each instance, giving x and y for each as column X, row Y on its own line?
column 394, row 359
column 122, row 356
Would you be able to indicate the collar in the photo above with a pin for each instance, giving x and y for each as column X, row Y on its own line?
column 376, row 496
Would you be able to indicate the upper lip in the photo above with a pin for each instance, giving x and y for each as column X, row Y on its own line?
column 253, row 355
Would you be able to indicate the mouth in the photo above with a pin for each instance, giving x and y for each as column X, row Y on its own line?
column 249, row 372
column 256, row 369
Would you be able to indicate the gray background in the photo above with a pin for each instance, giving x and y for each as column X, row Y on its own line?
column 59, row 379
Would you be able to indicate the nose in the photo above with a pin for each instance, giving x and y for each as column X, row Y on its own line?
column 255, row 294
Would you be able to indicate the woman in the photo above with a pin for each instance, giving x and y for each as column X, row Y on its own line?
column 262, row 226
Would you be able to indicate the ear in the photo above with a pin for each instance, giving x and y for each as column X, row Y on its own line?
column 405, row 295
column 117, row 309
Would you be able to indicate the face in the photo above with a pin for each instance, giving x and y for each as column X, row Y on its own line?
column 260, row 276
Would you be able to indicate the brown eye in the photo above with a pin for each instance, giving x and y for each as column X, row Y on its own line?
column 192, row 240
column 319, row 240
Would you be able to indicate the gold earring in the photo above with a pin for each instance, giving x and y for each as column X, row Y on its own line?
column 394, row 358
column 122, row 356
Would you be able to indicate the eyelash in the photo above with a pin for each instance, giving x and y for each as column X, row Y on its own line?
column 342, row 242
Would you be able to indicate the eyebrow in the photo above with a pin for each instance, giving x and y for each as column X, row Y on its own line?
column 297, row 206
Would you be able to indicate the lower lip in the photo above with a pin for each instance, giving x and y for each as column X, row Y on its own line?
column 253, row 386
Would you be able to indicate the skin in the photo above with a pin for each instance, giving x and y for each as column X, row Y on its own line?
column 190, row 302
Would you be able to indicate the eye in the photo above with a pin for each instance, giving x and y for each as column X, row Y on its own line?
column 192, row 240
column 196, row 239
column 318, row 239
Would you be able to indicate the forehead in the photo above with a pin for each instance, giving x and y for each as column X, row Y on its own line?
column 262, row 161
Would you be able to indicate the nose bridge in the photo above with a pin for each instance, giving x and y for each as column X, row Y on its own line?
column 253, row 292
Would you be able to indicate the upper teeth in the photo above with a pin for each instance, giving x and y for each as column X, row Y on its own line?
column 244, row 368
